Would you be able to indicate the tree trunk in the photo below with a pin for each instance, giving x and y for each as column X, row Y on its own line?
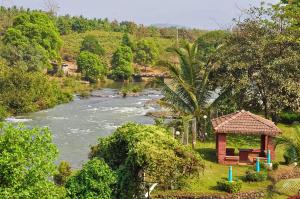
column 265, row 104
column 194, row 132
column 198, row 126
column 186, row 132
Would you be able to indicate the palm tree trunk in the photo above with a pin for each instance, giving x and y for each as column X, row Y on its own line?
column 194, row 132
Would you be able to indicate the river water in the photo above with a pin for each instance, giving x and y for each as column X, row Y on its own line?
column 76, row 126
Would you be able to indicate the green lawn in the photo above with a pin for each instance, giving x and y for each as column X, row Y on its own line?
column 206, row 182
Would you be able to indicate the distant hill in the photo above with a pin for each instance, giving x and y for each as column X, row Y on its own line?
column 166, row 25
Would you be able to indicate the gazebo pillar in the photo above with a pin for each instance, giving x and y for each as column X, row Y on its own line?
column 263, row 144
column 221, row 147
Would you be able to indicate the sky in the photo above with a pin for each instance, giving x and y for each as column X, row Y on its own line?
column 202, row 14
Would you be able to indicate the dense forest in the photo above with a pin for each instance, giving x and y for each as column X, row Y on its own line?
column 253, row 66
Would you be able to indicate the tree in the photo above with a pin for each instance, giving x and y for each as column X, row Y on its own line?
column 91, row 44
column 261, row 63
column 64, row 24
column 27, row 163
column 145, row 53
column 94, row 180
column 80, row 24
column 122, row 63
column 136, row 154
column 189, row 92
column 126, row 41
column 36, row 28
column 90, row 66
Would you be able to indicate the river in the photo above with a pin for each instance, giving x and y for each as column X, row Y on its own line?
column 76, row 126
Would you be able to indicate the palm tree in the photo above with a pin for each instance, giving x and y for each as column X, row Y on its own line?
column 292, row 146
column 188, row 91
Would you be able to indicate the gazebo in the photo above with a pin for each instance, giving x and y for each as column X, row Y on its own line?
column 244, row 123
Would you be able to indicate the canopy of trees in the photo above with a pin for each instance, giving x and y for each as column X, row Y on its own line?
column 139, row 153
column 33, row 41
column 261, row 60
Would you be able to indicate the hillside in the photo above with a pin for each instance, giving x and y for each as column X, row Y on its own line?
column 110, row 42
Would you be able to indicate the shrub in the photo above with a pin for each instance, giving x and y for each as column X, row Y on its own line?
column 253, row 176
column 230, row 187
column 64, row 172
column 22, row 91
column 275, row 165
column 289, row 117
column 95, row 180
column 134, row 149
column 3, row 113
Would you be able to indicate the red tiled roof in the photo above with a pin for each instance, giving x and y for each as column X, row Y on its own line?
column 244, row 122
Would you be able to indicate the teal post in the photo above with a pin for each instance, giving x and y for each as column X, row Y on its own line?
column 257, row 165
column 230, row 174
column 269, row 157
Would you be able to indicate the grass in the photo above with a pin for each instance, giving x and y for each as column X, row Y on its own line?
column 206, row 182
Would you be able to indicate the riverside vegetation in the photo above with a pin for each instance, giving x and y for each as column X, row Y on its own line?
column 254, row 66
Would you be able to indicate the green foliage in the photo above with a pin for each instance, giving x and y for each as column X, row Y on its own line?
column 140, row 152
column 126, row 41
column 64, row 172
column 3, row 113
column 230, row 187
column 37, row 32
column 90, row 66
column 127, row 89
column 289, row 118
column 262, row 70
column 122, row 68
column 22, row 92
column 94, row 180
column 292, row 147
column 208, row 44
column 253, row 176
column 27, row 163
column 190, row 91
column 275, row 166
column 146, row 53
column 64, row 25
column 91, row 44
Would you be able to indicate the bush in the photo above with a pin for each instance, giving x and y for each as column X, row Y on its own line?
column 95, row 180
column 22, row 91
column 134, row 149
column 230, row 187
column 3, row 113
column 253, row 176
column 64, row 172
column 289, row 117
column 275, row 166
